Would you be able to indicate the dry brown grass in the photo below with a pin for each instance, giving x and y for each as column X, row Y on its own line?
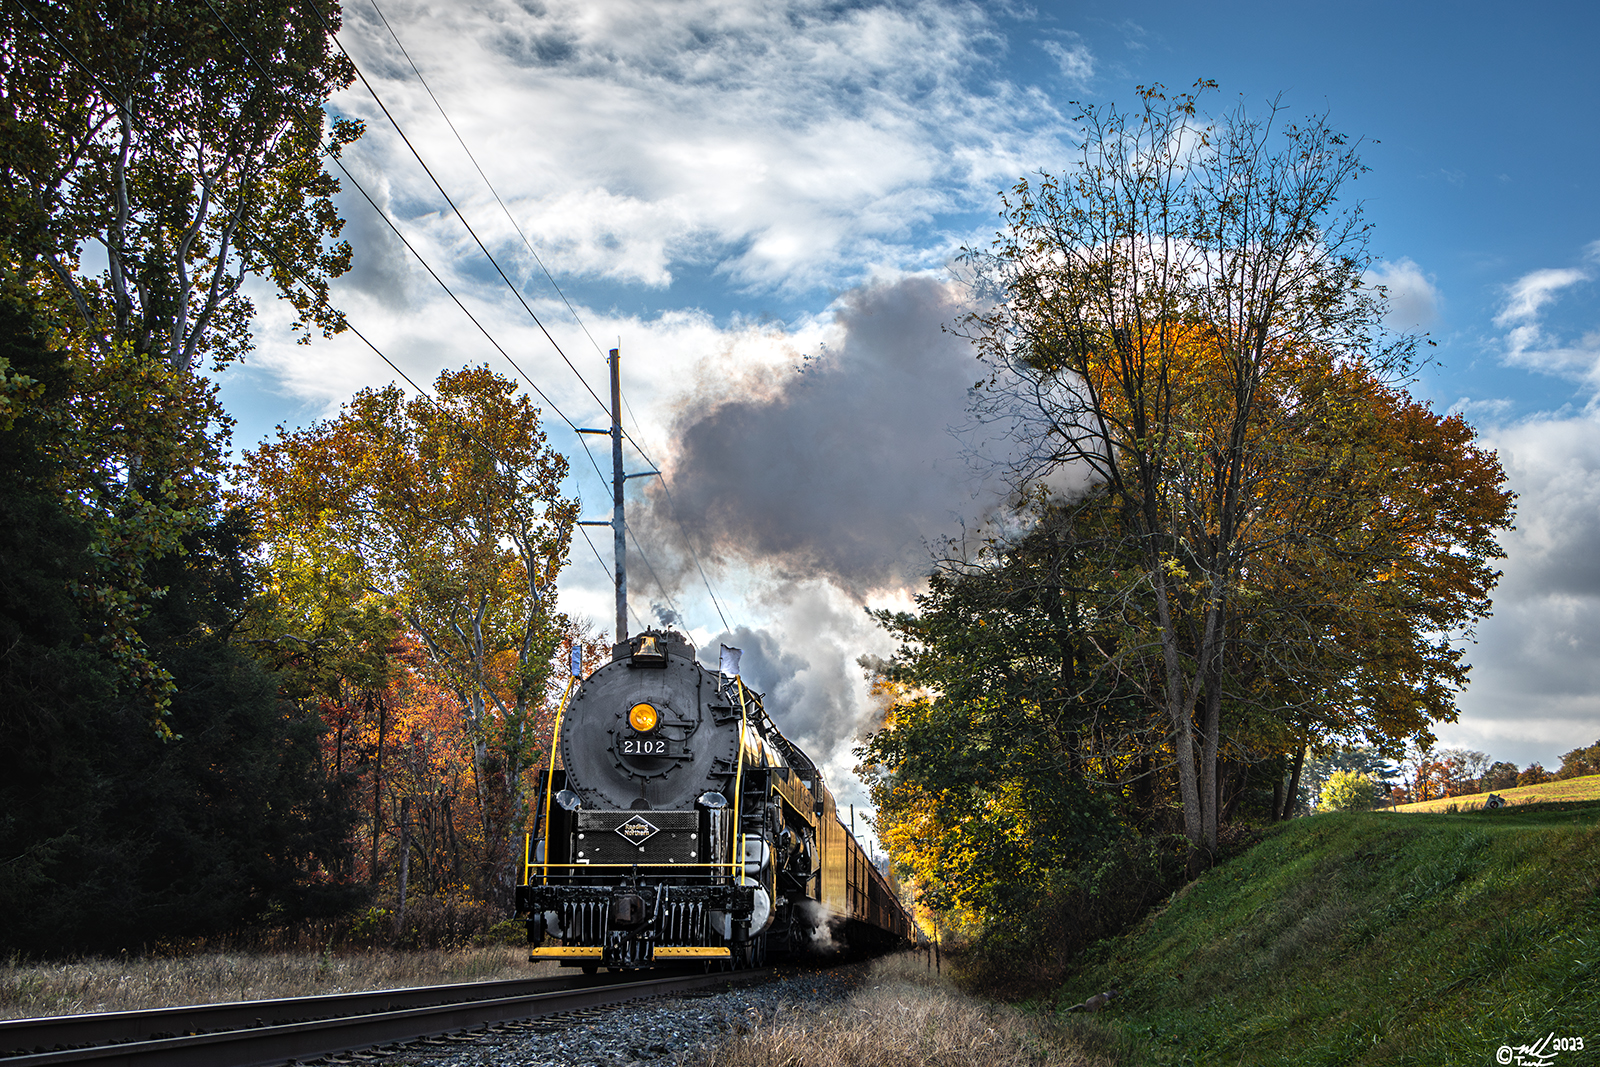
column 133, row 983
column 1584, row 788
column 906, row 1017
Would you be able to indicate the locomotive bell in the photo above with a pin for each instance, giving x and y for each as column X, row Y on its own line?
column 649, row 652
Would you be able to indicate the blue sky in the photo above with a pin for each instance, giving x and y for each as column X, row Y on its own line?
column 731, row 187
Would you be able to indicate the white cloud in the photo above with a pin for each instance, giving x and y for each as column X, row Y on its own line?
column 788, row 145
column 1531, row 342
column 1536, row 681
column 1413, row 300
column 1074, row 59
column 1533, row 291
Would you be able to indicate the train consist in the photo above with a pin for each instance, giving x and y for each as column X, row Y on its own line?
column 682, row 826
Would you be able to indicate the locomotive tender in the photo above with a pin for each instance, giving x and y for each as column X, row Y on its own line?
column 681, row 826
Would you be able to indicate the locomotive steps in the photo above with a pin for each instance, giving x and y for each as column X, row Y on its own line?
column 1370, row 938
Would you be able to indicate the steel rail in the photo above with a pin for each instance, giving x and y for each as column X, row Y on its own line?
column 104, row 1028
column 258, row 1044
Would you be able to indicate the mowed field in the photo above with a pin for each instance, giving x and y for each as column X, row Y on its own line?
column 1585, row 788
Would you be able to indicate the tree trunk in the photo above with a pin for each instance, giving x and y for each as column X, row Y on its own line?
column 405, row 866
column 1180, row 716
column 377, row 786
column 1294, row 783
column 1237, row 792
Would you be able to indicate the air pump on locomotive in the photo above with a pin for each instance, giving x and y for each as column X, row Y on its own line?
column 682, row 825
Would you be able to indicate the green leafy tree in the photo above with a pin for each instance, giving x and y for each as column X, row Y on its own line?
column 1580, row 761
column 1500, row 775
column 149, row 131
column 1348, row 791
column 148, row 167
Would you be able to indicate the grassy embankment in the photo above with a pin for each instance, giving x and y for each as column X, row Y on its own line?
column 1585, row 788
column 1369, row 939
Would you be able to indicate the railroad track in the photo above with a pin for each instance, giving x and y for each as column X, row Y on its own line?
column 262, row 1032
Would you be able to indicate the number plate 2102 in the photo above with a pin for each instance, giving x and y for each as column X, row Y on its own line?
column 646, row 746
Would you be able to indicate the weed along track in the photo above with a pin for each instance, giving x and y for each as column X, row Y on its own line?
column 299, row 1028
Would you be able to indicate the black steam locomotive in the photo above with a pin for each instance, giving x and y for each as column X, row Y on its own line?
column 681, row 825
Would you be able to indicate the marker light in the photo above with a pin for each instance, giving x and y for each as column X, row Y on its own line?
column 642, row 717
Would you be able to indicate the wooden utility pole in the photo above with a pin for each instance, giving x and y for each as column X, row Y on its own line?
column 618, row 482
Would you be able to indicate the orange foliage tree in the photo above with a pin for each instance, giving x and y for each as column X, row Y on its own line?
column 447, row 513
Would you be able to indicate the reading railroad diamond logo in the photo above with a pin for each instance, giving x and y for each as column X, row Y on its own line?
column 637, row 830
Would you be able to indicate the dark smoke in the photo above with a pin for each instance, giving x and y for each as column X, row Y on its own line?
column 846, row 467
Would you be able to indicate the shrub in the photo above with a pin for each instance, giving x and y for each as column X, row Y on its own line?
column 1348, row 791
column 1105, row 895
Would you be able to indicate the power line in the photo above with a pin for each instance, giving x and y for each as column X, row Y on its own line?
column 610, row 572
column 482, row 247
column 439, row 186
column 531, row 251
column 384, row 215
column 659, row 583
column 673, row 508
column 321, row 298
column 509, row 216
column 528, row 244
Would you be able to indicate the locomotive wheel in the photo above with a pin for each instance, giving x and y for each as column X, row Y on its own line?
column 796, row 940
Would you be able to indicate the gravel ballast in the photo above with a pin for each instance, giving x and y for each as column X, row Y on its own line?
column 672, row 1031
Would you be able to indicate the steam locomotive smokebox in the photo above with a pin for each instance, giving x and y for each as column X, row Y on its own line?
column 643, row 734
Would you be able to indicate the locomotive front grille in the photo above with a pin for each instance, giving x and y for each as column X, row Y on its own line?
column 642, row 837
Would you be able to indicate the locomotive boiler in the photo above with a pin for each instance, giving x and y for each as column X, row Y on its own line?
column 677, row 824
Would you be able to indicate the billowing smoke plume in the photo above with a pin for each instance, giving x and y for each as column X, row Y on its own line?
column 846, row 466
column 831, row 481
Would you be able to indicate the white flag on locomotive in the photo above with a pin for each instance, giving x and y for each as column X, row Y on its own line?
column 730, row 661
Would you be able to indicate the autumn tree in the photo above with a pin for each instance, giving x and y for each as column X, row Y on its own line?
column 1580, row 762
column 448, row 508
column 1181, row 325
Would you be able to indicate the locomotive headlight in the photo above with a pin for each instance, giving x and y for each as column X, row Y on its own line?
column 643, row 718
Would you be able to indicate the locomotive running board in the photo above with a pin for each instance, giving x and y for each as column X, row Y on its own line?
column 684, row 952
column 568, row 952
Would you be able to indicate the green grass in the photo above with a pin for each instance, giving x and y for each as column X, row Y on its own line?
column 1370, row 939
column 1585, row 788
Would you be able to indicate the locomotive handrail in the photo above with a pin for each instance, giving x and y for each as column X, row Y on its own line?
column 737, row 865
column 549, row 784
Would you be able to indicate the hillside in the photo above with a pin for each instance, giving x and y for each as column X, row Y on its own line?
column 1585, row 788
column 1371, row 939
